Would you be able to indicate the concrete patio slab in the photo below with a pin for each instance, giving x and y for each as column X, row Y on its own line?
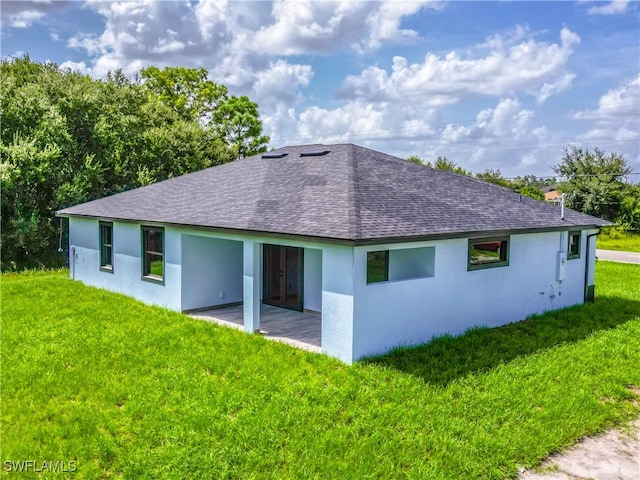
column 299, row 329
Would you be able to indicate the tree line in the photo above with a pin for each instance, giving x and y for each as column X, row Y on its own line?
column 67, row 138
column 595, row 182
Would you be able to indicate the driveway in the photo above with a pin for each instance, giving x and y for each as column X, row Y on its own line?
column 615, row 256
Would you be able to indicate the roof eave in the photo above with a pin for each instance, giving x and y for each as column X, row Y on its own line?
column 471, row 234
column 348, row 241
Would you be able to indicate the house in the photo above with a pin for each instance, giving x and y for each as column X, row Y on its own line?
column 391, row 253
column 551, row 194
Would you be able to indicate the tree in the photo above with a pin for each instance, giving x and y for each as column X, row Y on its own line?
column 185, row 90
column 594, row 181
column 629, row 215
column 415, row 159
column 238, row 123
column 494, row 176
column 533, row 181
column 530, row 191
column 67, row 138
column 443, row 163
column 189, row 93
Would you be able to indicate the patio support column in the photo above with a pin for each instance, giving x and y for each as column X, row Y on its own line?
column 251, row 285
column 338, row 302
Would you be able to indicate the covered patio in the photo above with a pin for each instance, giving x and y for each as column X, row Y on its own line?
column 299, row 329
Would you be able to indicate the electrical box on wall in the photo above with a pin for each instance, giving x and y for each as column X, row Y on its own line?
column 562, row 260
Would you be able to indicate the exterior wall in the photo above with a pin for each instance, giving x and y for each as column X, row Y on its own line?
column 338, row 302
column 199, row 267
column 413, row 311
column 126, row 277
column 313, row 279
column 211, row 271
column 358, row 319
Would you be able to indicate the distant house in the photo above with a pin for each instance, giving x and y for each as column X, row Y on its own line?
column 551, row 194
column 391, row 253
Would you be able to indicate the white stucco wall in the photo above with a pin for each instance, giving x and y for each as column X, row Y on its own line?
column 211, row 271
column 338, row 301
column 413, row 311
column 200, row 266
column 357, row 319
column 127, row 265
column 591, row 280
column 313, row 279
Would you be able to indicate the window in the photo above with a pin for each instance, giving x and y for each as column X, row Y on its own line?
column 153, row 253
column 411, row 263
column 106, row 246
column 574, row 245
column 378, row 266
column 488, row 253
column 400, row 264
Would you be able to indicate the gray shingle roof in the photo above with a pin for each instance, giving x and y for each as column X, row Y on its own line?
column 352, row 193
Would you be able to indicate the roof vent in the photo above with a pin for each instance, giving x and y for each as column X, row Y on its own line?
column 314, row 153
column 274, row 155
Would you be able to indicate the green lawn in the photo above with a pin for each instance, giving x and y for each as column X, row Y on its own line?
column 131, row 391
column 612, row 239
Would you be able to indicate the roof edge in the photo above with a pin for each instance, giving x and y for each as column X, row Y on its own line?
column 347, row 241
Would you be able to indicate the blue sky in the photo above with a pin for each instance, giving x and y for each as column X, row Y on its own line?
column 501, row 85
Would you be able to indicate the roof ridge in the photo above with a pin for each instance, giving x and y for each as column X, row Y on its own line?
column 353, row 208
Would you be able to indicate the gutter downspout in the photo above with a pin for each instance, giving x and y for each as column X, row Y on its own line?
column 73, row 262
column 589, row 290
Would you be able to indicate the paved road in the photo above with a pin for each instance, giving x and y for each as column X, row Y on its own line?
column 615, row 256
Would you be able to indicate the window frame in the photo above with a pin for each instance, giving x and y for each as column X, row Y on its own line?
column 386, row 266
column 146, row 253
column 105, row 266
column 505, row 246
column 573, row 233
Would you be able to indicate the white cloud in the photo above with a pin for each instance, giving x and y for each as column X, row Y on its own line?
column 614, row 7
column 609, row 136
column 23, row 14
column 242, row 44
column 508, row 119
column 76, row 66
column 168, row 46
column 343, row 124
column 503, row 137
column 308, row 26
column 140, row 33
column 24, row 19
column 616, row 121
column 384, row 24
column 91, row 44
column 562, row 83
column 280, row 82
column 617, row 104
column 514, row 64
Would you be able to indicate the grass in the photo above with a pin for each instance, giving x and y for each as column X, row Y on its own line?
column 614, row 239
column 131, row 391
